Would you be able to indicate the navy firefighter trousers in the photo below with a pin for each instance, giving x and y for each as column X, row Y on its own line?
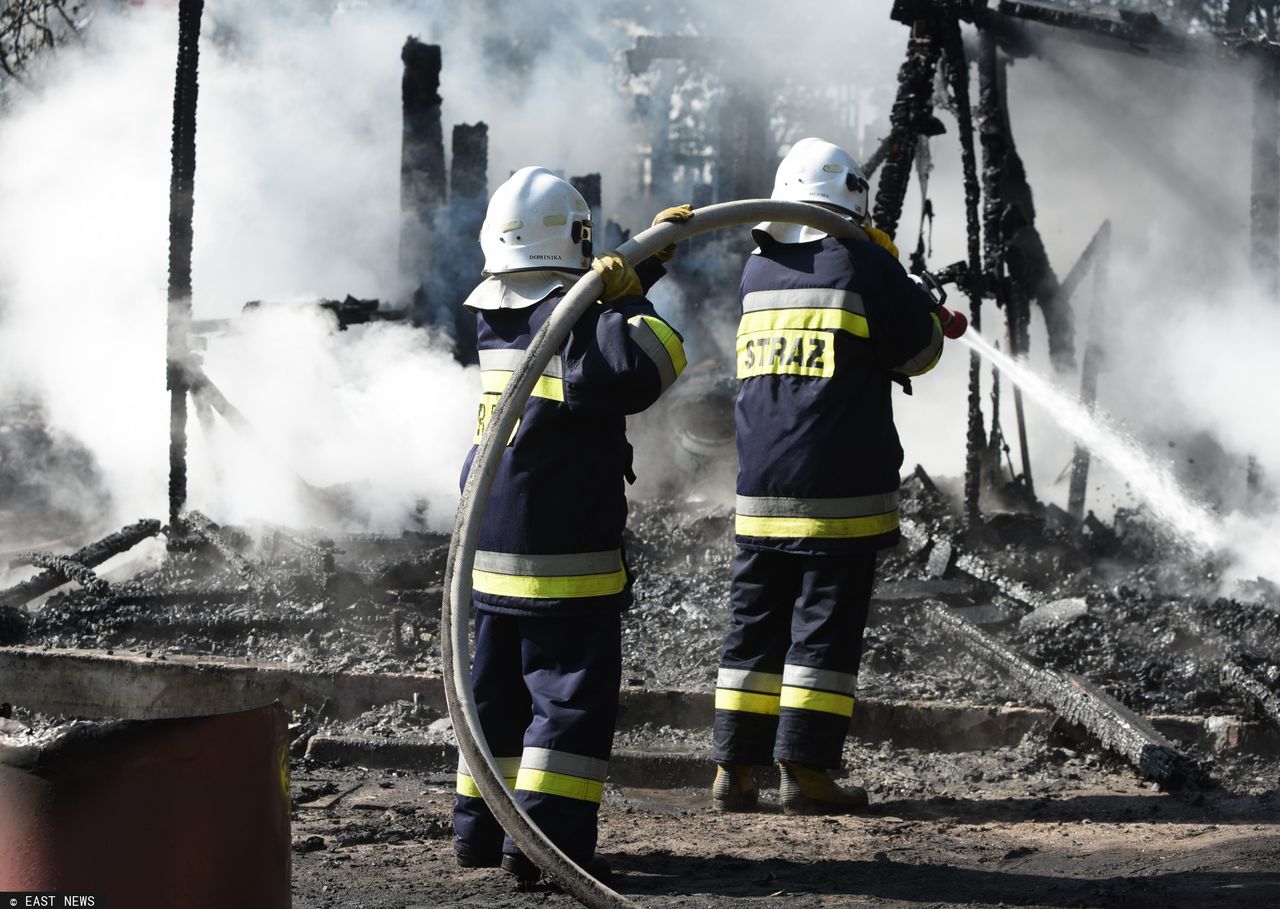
column 547, row 693
column 789, row 665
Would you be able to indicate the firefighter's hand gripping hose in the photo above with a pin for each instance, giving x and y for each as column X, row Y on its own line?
column 677, row 213
column 617, row 276
column 456, row 611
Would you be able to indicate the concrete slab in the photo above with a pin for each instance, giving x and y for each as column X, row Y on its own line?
column 94, row 684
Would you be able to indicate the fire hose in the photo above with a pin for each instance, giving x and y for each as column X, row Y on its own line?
column 456, row 608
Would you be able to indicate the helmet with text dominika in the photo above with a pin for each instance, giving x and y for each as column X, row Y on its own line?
column 536, row 220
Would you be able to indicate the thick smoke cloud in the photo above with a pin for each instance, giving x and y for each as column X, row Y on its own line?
column 297, row 197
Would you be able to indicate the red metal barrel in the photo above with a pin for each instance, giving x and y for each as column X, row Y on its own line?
column 190, row 812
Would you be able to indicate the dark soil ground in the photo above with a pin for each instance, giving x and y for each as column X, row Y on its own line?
column 1072, row 832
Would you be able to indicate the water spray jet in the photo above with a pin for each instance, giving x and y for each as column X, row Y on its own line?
column 1149, row 480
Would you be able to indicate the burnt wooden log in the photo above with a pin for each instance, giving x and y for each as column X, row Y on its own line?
column 1076, row 700
column 58, row 568
column 1237, row 679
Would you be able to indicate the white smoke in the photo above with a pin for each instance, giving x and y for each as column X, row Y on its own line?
column 297, row 196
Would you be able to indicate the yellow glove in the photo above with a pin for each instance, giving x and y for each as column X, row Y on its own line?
column 619, row 277
column 881, row 239
column 678, row 214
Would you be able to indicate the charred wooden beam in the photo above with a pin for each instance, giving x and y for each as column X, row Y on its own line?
column 876, row 158
column 910, row 118
column 673, row 47
column 203, row 528
column 1126, row 31
column 1076, row 700
column 181, row 210
column 957, row 70
column 66, row 566
column 1237, row 679
column 946, row 555
column 89, row 557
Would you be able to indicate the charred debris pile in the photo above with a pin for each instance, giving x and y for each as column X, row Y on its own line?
column 1120, row 605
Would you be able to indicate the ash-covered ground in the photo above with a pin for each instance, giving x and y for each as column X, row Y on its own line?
column 1122, row 605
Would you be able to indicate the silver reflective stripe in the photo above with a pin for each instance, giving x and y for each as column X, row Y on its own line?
column 506, row 359
column 509, row 766
column 560, row 564
column 749, row 680
column 785, row 507
column 587, row 768
column 819, row 679
column 920, row 362
column 803, row 298
column 654, row 349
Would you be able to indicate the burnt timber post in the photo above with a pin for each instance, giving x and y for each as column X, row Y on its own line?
column 181, row 209
column 468, row 196
column 1264, row 202
column 910, row 117
column 422, row 174
column 1089, row 365
column 957, row 70
column 997, row 145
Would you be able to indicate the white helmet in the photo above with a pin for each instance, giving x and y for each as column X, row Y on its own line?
column 536, row 220
column 817, row 171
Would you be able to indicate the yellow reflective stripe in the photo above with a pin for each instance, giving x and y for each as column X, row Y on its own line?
column 549, row 587
column 670, row 340
column 660, row 344
column 572, row 787
column 804, row 319
column 821, row 701
column 818, row 528
column 467, row 785
column 746, row 701
column 495, row 381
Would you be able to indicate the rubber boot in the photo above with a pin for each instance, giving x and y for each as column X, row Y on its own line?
column 735, row 788
column 808, row 790
column 527, row 873
column 468, row 859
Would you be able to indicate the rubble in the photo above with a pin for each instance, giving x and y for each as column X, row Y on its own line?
column 77, row 566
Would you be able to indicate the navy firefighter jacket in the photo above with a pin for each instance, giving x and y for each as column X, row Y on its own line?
column 551, row 539
column 825, row 327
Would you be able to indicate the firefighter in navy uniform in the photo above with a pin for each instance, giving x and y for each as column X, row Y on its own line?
column 828, row 325
column 549, row 580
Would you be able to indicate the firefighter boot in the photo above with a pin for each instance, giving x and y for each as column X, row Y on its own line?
column 528, row 874
column 735, row 788
column 808, row 790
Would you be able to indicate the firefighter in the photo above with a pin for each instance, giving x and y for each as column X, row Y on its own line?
column 550, row 581
column 827, row 327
